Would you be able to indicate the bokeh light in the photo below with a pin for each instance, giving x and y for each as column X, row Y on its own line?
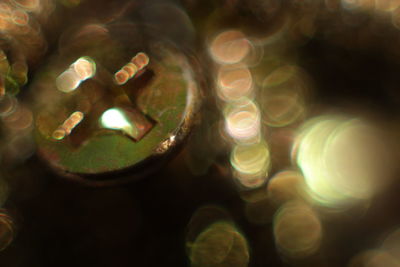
column 374, row 258
column 234, row 82
column 242, row 121
column 220, row 245
column 8, row 104
column 121, row 77
column 116, row 119
column 85, row 68
column 141, row 60
column 230, row 47
column 261, row 96
column 129, row 70
column 212, row 239
column 387, row 254
column 285, row 186
column 251, row 164
column 282, row 96
column 343, row 160
column 68, row 81
column 250, row 155
column 82, row 69
column 69, row 124
column 19, row 120
column 297, row 230
column 130, row 122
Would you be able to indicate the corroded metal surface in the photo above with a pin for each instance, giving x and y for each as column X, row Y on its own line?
column 163, row 99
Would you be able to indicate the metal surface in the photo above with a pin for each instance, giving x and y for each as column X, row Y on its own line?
column 159, row 103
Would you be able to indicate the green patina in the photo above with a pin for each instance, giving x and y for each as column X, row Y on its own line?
column 164, row 100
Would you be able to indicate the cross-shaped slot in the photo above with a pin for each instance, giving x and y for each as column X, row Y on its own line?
column 128, row 118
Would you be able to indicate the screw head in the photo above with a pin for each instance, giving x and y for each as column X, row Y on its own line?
column 88, row 129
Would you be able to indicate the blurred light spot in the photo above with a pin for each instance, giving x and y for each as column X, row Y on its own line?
column 92, row 31
column 343, row 160
column 282, row 110
column 82, row 69
column 251, row 164
column 297, row 230
column 85, row 67
column 116, row 119
column 281, row 97
column 276, row 31
column 234, row 83
column 256, row 54
column 203, row 218
column 59, row 134
column 121, row 77
column 230, row 47
column 128, row 71
column 6, row 230
column 129, row 121
column 141, row 60
column 374, row 258
column 220, row 245
column 21, row 119
column 68, row 81
column 285, row 186
column 388, row 255
column 8, row 104
column 68, row 125
column 279, row 76
column 131, row 69
column 242, row 121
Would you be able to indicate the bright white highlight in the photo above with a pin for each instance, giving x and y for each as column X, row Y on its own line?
column 116, row 119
